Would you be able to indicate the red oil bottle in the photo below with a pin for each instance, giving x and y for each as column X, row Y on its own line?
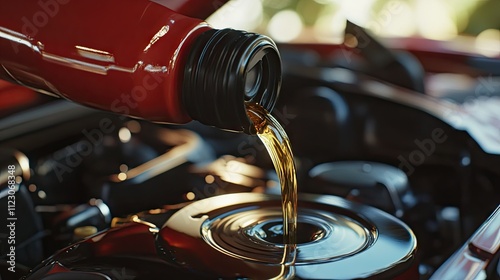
column 139, row 58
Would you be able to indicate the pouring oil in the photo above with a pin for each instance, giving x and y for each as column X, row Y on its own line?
column 272, row 134
column 255, row 236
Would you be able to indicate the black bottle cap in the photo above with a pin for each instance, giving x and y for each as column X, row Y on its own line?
column 225, row 69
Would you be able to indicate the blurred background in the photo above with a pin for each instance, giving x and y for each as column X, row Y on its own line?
column 476, row 22
column 360, row 119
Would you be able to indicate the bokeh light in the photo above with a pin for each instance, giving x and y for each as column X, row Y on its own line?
column 488, row 42
column 395, row 19
column 285, row 26
column 124, row 135
column 323, row 21
column 434, row 20
column 330, row 26
column 238, row 14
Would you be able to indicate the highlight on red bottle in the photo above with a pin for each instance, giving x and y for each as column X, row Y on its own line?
column 139, row 58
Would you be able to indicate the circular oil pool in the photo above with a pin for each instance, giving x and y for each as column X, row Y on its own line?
column 239, row 236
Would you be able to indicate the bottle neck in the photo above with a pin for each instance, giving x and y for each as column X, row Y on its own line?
column 225, row 69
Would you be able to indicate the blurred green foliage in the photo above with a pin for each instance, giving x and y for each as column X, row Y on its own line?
column 470, row 16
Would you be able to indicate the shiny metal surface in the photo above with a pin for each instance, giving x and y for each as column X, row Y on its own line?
column 486, row 241
column 472, row 260
column 256, row 235
column 229, row 236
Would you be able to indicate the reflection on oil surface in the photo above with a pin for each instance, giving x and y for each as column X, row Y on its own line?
column 239, row 235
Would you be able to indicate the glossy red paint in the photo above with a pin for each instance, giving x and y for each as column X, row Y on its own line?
column 131, row 239
column 123, row 57
column 435, row 56
column 13, row 96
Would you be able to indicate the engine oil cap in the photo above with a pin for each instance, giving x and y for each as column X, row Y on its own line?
column 239, row 236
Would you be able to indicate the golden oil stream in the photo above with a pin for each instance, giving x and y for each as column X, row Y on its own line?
column 272, row 134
